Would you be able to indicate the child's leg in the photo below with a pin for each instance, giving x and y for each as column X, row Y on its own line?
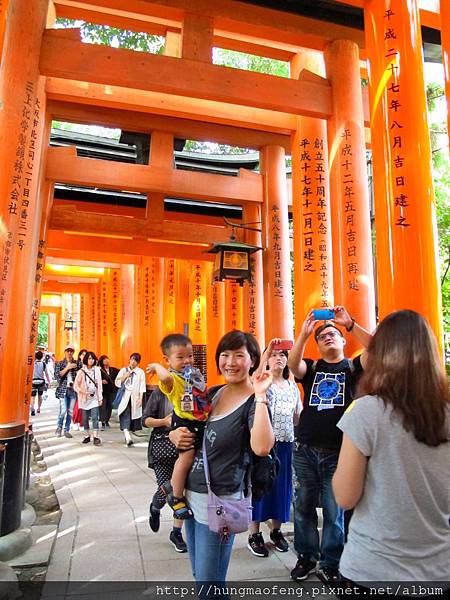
column 180, row 472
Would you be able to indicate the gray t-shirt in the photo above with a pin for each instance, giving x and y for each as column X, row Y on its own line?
column 400, row 527
column 224, row 441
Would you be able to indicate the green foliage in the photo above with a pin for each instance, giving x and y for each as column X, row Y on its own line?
column 250, row 62
column 42, row 329
column 442, row 195
column 115, row 37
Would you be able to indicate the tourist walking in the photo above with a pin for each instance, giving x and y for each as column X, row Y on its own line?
column 88, row 386
column 39, row 382
column 109, row 375
column 131, row 381
column 77, row 418
column 65, row 373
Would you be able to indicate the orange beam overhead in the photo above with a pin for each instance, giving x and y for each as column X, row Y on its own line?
column 264, row 24
column 68, row 219
column 56, row 287
column 64, row 166
column 129, row 120
column 87, row 247
column 131, row 211
column 64, row 57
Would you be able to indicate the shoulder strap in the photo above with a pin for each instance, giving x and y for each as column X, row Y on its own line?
column 314, row 366
column 351, row 365
column 87, row 375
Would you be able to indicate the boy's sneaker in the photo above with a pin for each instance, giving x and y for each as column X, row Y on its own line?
column 279, row 541
column 97, row 441
column 154, row 518
column 256, row 545
column 67, row 434
column 86, row 440
column 328, row 575
column 303, row 568
column 177, row 540
column 58, row 432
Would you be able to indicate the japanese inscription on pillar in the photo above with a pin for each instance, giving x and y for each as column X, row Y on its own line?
column 275, row 225
column 315, row 213
column 396, row 120
column 197, row 298
column 115, row 289
column 350, row 211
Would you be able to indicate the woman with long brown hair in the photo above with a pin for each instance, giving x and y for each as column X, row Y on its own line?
column 401, row 496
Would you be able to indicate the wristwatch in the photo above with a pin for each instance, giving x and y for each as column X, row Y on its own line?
column 349, row 329
column 261, row 400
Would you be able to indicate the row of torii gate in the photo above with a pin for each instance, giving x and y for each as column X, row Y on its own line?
column 152, row 274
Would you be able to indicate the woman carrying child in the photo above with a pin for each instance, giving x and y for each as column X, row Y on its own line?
column 237, row 358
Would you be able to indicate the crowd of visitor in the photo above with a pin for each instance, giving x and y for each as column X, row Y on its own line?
column 369, row 445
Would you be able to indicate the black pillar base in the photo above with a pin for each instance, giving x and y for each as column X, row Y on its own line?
column 11, row 509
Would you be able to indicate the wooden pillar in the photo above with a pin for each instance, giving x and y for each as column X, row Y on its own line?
column 215, row 325
column 76, row 318
column 104, row 324
column 183, row 270
column 128, row 316
column 21, row 27
column 98, row 317
column 404, row 199
column 277, row 270
column 170, row 296
column 116, row 320
column 253, row 291
column 233, row 306
column 445, row 42
column 153, row 306
column 197, row 37
column 92, row 323
column 313, row 256
column 197, row 312
column 350, row 211
column 66, row 313
column 52, row 332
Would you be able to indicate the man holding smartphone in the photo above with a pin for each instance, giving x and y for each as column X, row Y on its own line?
column 329, row 385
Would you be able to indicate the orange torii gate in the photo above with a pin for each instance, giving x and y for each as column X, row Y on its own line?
column 319, row 116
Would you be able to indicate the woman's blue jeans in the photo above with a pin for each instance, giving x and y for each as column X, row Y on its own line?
column 314, row 469
column 209, row 553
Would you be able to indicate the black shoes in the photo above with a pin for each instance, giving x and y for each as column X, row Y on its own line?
column 256, row 545
column 154, row 519
column 86, row 440
column 177, row 540
column 279, row 541
column 328, row 575
column 303, row 568
column 97, row 441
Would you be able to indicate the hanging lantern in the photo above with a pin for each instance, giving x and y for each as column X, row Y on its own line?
column 70, row 324
column 232, row 261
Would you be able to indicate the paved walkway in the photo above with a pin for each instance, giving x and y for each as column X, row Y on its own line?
column 104, row 494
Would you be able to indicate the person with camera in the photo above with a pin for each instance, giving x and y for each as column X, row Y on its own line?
column 65, row 373
column 329, row 386
column 88, row 385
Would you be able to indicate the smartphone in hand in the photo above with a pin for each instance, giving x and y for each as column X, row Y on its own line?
column 323, row 314
column 284, row 345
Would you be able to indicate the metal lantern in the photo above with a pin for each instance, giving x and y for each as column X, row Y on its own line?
column 70, row 324
column 232, row 261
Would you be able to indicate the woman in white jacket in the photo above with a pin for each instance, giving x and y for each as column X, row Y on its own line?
column 88, row 385
column 131, row 381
